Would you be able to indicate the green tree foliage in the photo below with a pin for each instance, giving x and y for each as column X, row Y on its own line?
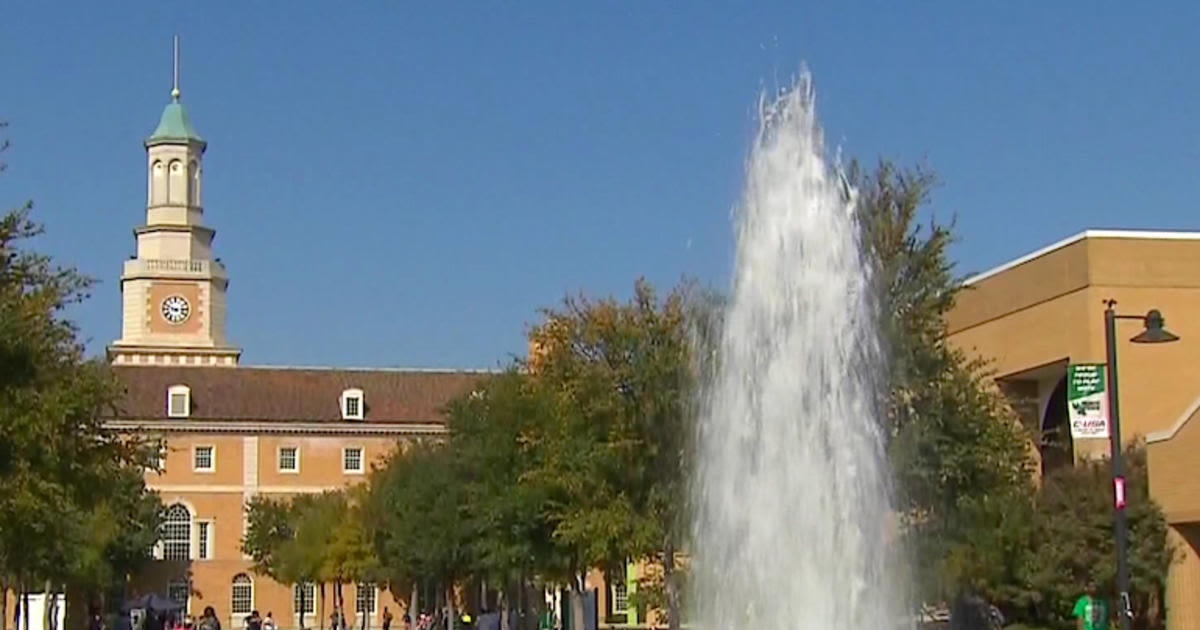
column 309, row 538
column 961, row 460
column 969, row 510
column 60, row 468
column 490, row 429
column 614, row 454
column 1071, row 542
column 416, row 507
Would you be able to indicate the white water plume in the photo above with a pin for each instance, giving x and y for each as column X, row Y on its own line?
column 790, row 487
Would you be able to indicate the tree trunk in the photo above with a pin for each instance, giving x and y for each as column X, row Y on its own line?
column 48, row 601
column 25, row 604
column 504, row 625
column 414, row 606
column 339, row 606
column 3, row 603
column 321, row 613
column 303, row 604
column 578, row 583
column 366, row 614
column 669, row 582
column 450, row 606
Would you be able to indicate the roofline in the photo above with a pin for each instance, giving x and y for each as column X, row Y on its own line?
column 294, row 427
column 331, row 368
column 1173, row 430
column 1165, row 235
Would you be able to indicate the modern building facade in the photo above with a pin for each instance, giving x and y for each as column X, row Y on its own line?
column 1033, row 317
column 233, row 432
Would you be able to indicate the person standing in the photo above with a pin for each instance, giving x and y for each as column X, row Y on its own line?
column 209, row 621
column 253, row 621
column 387, row 619
column 269, row 622
column 1091, row 612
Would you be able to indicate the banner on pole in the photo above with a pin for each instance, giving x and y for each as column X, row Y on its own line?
column 1087, row 400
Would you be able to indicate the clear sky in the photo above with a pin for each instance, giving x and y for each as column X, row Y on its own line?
column 402, row 183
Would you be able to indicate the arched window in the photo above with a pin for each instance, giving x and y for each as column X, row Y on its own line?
column 177, row 183
column 193, row 183
column 177, row 533
column 241, row 600
column 158, row 183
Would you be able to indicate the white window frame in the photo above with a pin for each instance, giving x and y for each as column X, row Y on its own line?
column 184, row 583
column 204, row 538
column 362, row 460
column 374, row 598
column 621, row 583
column 238, row 614
column 212, row 468
column 279, row 460
column 310, row 602
column 160, row 550
column 186, row 392
column 347, row 395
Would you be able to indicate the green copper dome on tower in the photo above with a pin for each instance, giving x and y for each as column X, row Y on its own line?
column 174, row 126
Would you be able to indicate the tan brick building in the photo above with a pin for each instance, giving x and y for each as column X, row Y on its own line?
column 1034, row 316
column 233, row 432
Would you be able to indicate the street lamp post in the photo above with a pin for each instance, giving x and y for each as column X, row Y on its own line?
column 1154, row 333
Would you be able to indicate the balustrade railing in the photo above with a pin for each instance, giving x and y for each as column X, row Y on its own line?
column 165, row 265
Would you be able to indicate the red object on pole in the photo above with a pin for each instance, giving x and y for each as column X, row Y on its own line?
column 1119, row 491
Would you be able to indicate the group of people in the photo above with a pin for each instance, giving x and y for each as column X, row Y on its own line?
column 972, row 612
column 255, row 622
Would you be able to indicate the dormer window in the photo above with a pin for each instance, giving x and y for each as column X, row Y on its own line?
column 179, row 401
column 352, row 404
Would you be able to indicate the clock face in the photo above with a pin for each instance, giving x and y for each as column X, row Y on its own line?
column 175, row 309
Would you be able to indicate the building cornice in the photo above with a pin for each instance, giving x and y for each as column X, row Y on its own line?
column 255, row 427
column 1159, row 235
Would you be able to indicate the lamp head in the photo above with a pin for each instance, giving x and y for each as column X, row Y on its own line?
column 1154, row 333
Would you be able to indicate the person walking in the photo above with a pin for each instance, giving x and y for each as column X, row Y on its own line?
column 253, row 621
column 269, row 622
column 1091, row 612
column 387, row 619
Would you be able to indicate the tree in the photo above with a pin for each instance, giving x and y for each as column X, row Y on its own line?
column 119, row 531
column 55, row 452
column 510, row 540
column 349, row 555
column 274, row 544
column 415, row 507
column 613, row 452
column 961, row 459
column 1071, row 542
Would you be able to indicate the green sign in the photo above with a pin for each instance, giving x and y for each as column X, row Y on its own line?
column 1087, row 401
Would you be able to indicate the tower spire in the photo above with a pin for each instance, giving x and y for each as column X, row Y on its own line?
column 175, row 80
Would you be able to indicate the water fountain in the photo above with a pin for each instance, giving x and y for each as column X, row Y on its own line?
column 790, row 485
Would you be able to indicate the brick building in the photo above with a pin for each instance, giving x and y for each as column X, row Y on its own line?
column 232, row 431
column 1033, row 317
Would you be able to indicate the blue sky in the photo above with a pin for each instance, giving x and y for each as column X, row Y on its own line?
column 406, row 183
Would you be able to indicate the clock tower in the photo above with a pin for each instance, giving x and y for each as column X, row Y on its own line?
column 173, row 290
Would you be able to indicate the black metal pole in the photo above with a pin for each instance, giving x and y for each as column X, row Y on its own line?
column 1118, row 475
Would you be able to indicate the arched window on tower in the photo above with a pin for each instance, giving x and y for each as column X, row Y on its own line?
column 176, row 183
column 193, row 183
column 177, row 533
column 241, row 596
column 158, row 183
